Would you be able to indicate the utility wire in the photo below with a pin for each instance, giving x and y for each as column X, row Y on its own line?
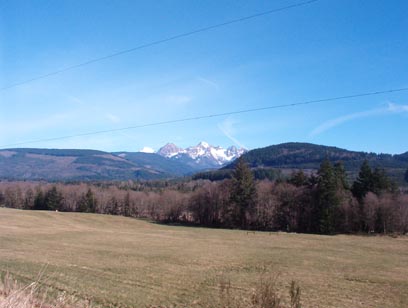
column 214, row 115
column 158, row 42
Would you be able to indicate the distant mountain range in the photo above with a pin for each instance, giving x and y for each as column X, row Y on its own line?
column 76, row 165
column 171, row 161
column 201, row 156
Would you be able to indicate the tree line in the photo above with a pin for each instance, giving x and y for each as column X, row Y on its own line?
column 323, row 202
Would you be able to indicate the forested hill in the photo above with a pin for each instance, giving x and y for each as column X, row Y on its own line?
column 273, row 161
column 309, row 156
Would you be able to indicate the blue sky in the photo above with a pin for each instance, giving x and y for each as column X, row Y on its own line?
column 325, row 49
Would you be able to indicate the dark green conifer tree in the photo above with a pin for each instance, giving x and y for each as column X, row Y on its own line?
column 327, row 201
column 87, row 203
column 368, row 180
column 298, row 178
column 341, row 176
column 380, row 181
column 53, row 199
column 361, row 186
column 243, row 193
column 364, row 183
column 39, row 203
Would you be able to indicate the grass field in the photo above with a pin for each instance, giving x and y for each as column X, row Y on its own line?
column 127, row 262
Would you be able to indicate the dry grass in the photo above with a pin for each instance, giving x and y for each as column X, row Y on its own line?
column 117, row 261
column 14, row 295
column 264, row 295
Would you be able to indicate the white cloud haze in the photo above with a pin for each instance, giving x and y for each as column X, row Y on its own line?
column 390, row 109
column 227, row 128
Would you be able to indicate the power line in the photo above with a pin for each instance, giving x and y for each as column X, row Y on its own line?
column 200, row 117
column 158, row 42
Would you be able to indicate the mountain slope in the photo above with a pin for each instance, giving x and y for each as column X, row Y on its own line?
column 157, row 162
column 273, row 161
column 73, row 164
column 52, row 164
column 308, row 155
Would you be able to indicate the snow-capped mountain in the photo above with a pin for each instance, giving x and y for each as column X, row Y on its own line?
column 170, row 150
column 202, row 154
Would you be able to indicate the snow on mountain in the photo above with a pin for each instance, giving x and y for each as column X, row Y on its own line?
column 170, row 150
column 147, row 150
column 203, row 153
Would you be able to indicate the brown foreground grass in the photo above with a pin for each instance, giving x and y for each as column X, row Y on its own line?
column 265, row 294
column 122, row 262
column 15, row 295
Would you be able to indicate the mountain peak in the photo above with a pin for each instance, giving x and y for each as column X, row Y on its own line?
column 203, row 144
column 169, row 150
column 202, row 154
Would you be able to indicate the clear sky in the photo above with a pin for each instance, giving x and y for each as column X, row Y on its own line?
column 325, row 49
